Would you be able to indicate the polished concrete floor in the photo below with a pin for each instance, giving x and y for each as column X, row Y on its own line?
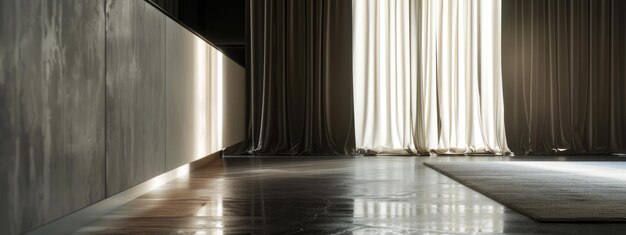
column 328, row 195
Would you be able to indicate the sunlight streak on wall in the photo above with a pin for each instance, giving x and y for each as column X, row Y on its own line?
column 200, row 99
column 220, row 100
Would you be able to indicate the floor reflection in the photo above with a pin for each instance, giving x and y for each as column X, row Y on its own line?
column 404, row 199
column 323, row 195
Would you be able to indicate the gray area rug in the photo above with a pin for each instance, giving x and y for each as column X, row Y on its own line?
column 548, row 191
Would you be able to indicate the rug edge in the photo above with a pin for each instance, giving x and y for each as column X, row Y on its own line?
column 541, row 219
column 490, row 196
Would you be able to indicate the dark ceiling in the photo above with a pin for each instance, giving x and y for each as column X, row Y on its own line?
column 223, row 23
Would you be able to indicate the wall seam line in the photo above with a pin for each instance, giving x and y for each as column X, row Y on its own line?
column 106, row 191
column 164, row 18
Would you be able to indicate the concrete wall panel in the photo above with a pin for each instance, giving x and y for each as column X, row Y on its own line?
column 135, row 94
column 52, row 115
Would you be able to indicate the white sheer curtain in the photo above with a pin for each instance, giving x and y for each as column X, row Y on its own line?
column 427, row 76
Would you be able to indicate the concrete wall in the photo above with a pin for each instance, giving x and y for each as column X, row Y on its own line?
column 135, row 94
column 181, row 94
column 234, row 100
column 51, row 110
column 98, row 96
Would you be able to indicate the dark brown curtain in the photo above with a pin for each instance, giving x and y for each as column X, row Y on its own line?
column 564, row 71
column 300, row 74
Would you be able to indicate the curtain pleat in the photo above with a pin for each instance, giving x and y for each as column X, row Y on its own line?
column 565, row 73
column 300, row 76
column 428, row 77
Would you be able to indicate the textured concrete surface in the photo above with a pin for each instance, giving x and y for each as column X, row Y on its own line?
column 92, row 95
column 135, row 99
column 181, row 95
column 234, row 98
column 52, row 115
